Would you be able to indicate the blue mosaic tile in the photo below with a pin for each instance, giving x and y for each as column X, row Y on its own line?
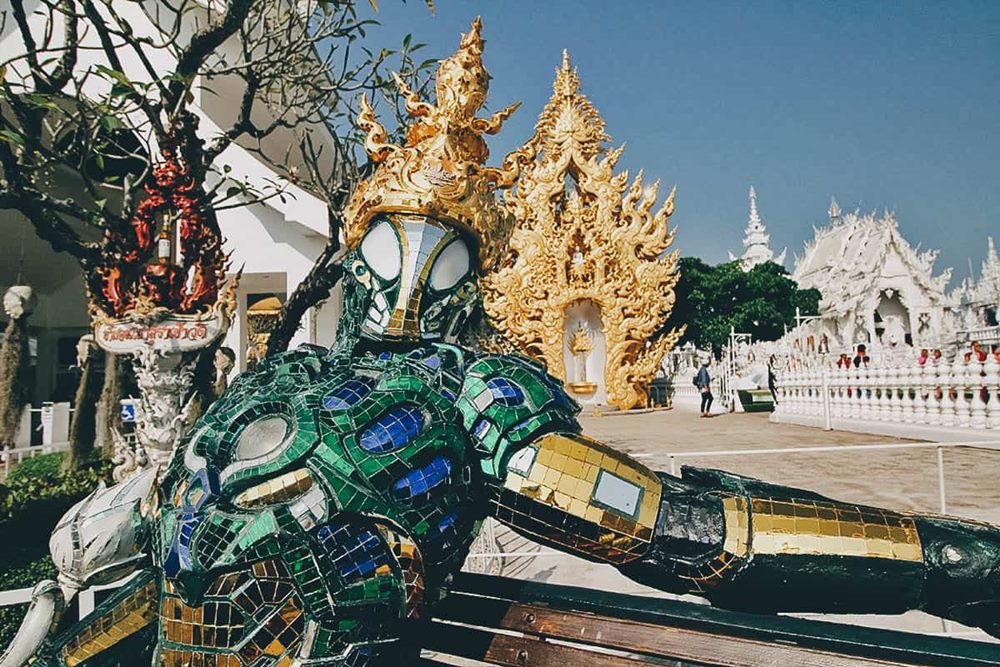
column 421, row 481
column 505, row 392
column 347, row 394
column 179, row 557
column 393, row 430
column 481, row 427
column 356, row 552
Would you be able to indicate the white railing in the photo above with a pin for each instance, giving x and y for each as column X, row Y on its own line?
column 985, row 335
column 955, row 395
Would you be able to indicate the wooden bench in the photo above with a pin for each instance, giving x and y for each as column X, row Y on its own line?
column 499, row 621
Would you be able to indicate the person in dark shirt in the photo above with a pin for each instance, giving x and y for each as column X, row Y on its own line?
column 861, row 357
column 704, row 383
column 771, row 379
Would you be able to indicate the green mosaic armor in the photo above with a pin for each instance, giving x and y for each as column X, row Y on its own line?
column 350, row 478
column 327, row 496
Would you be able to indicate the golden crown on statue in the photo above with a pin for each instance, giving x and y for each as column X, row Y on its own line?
column 441, row 172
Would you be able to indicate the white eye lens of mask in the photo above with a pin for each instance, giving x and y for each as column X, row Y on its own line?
column 451, row 265
column 380, row 248
column 262, row 437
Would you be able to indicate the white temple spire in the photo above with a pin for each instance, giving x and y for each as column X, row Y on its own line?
column 756, row 241
column 834, row 210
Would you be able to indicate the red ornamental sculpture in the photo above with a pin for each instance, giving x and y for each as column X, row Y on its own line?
column 137, row 264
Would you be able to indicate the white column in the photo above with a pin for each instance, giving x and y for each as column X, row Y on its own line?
column 947, row 384
column 975, row 378
column 992, row 384
column 894, row 381
column 907, row 376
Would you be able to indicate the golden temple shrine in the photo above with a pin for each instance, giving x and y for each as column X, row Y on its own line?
column 588, row 278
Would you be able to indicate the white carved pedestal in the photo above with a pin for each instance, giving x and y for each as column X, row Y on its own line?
column 164, row 347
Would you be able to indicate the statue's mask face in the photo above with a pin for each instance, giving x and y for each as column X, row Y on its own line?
column 410, row 278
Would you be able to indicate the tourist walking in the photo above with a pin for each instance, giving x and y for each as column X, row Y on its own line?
column 704, row 383
column 772, row 383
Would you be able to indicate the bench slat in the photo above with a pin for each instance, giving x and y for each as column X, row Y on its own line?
column 678, row 644
column 512, row 651
column 677, row 626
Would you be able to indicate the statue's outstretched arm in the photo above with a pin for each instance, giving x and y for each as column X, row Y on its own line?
column 746, row 544
column 740, row 542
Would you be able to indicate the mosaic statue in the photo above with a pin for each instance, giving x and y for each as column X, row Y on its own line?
column 317, row 510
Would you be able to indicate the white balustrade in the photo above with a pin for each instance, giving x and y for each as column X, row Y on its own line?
column 920, row 394
column 881, row 393
column 946, row 385
column 865, row 385
column 942, row 393
column 894, row 381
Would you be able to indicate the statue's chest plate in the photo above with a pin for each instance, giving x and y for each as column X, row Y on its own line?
column 379, row 433
column 391, row 438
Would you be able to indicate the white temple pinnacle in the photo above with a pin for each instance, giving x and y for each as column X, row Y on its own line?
column 756, row 241
column 834, row 211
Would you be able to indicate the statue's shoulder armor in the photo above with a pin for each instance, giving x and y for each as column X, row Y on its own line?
column 303, row 363
column 104, row 537
column 506, row 402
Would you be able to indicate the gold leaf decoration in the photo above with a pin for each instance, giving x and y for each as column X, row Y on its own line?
column 582, row 233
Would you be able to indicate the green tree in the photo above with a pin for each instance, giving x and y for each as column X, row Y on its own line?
column 711, row 300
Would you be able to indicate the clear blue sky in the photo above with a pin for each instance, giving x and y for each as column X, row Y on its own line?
column 882, row 104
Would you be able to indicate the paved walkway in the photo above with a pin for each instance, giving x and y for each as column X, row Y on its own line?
column 900, row 479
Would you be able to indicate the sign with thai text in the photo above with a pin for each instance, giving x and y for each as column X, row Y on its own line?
column 168, row 333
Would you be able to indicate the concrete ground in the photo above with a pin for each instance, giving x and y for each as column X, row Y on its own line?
column 904, row 479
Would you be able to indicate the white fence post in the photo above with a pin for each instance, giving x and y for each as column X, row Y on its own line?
column 828, row 422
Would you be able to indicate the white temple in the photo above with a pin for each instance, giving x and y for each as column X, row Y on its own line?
column 875, row 287
column 756, row 241
column 979, row 300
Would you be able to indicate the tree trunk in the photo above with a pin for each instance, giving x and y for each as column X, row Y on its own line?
column 14, row 379
column 116, row 369
column 316, row 286
column 82, row 429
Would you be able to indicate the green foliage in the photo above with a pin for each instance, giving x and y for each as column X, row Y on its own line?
column 713, row 299
column 28, row 498
column 45, row 465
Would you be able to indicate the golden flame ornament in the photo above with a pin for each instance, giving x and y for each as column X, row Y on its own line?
column 582, row 233
column 441, row 171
